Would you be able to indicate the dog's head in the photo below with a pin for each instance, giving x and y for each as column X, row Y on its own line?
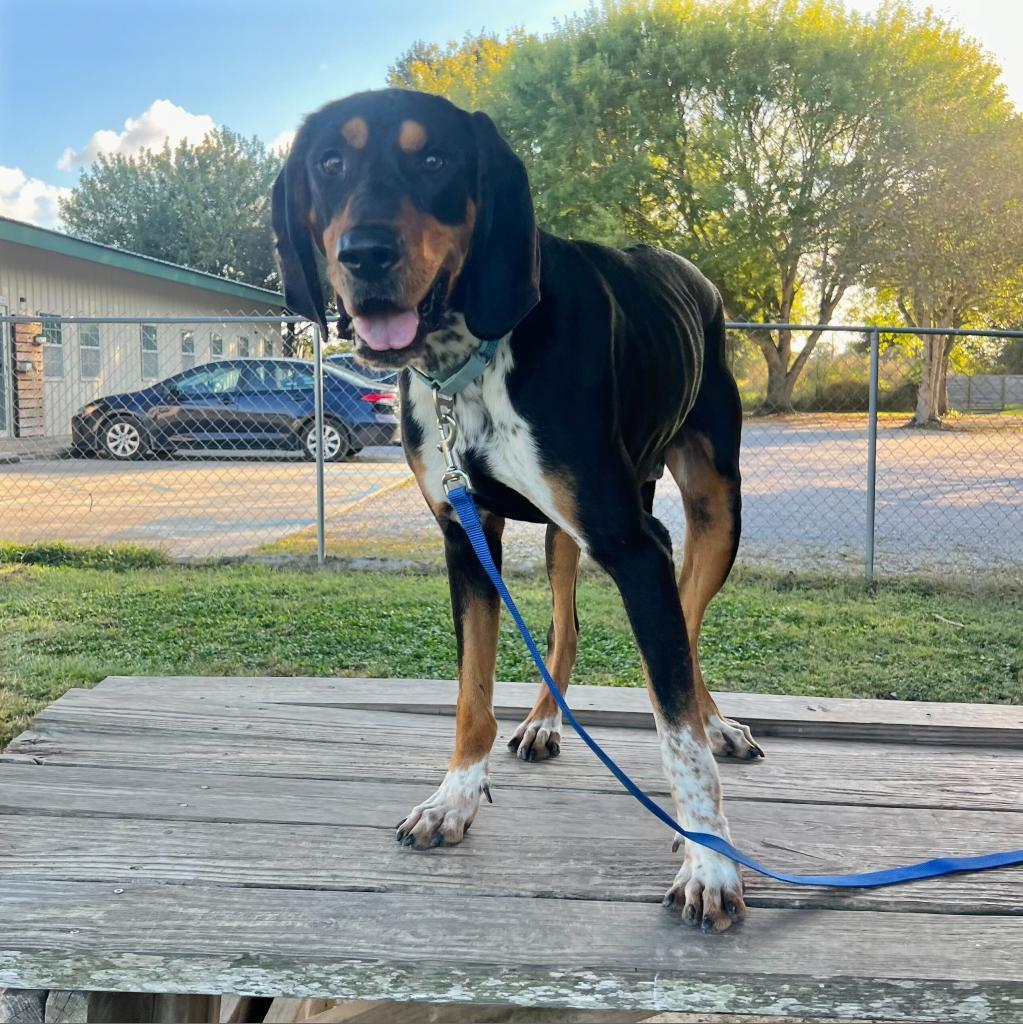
column 417, row 207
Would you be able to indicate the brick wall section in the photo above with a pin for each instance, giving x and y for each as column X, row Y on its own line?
column 28, row 384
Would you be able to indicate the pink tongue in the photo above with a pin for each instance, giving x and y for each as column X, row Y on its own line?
column 396, row 330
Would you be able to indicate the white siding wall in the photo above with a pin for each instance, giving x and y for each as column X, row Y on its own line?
column 62, row 285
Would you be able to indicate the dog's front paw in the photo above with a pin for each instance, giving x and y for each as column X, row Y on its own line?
column 732, row 739
column 707, row 890
column 537, row 739
column 446, row 816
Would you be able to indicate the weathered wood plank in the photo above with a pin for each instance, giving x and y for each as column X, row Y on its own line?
column 364, row 1012
column 424, row 1013
column 115, row 1007
column 771, row 714
column 244, row 1009
column 67, row 1007
column 528, row 806
column 22, row 1006
column 812, row 771
column 591, row 954
column 629, row 860
column 285, row 1010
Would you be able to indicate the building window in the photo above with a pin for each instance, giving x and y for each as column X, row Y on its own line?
column 216, row 346
column 89, row 351
column 187, row 350
column 53, row 348
column 150, row 352
column 243, row 347
column 268, row 347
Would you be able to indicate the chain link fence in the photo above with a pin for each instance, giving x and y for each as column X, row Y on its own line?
column 198, row 437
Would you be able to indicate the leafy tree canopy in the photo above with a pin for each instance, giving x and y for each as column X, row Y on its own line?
column 771, row 141
column 205, row 206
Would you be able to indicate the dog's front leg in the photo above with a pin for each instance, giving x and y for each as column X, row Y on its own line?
column 708, row 888
column 476, row 607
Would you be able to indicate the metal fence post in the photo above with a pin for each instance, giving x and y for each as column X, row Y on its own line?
column 321, row 540
column 875, row 346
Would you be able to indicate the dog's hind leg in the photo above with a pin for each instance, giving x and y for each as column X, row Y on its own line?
column 704, row 460
column 446, row 816
column 539, row 736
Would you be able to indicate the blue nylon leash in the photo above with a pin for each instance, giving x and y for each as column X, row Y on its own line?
column 464, row 505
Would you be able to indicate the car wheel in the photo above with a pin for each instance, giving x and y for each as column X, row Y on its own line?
column 124, row 439
column 337, row 441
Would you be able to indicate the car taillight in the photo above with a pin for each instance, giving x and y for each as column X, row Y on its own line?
column 376, row 397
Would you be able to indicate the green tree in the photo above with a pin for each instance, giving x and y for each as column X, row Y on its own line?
column 463, row 72
column 1010, row 357
column 951, row 250
column 766, row 140
column 205, row 206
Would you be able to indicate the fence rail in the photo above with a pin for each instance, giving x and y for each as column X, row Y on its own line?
column 836, row 483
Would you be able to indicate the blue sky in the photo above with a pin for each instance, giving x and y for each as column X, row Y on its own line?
column 254, row 65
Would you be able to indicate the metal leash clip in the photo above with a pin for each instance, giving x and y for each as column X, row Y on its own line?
column 454, row 476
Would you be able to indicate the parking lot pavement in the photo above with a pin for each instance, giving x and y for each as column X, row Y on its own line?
column 945, row 500
column 189, row 507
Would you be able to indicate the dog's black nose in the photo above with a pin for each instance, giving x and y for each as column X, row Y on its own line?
column 369, row 252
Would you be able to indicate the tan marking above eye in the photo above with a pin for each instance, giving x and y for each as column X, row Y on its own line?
column 356, row 132
column 412, row 136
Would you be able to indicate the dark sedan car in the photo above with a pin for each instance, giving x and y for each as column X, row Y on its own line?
column 240, row 404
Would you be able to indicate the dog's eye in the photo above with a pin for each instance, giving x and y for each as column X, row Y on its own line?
column 332, row 162
column 432, row 162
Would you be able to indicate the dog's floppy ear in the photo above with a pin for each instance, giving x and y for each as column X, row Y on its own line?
column 293, row 243
column 502, row 276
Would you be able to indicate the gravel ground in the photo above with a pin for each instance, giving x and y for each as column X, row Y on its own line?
column 947, row 502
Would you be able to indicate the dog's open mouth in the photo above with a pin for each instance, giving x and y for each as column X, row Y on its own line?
column 390, row 330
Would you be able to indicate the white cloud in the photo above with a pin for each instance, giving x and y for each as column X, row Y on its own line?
column 162, row 121
column 29, row 199
column 283, row 141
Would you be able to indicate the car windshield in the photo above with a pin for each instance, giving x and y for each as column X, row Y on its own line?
column 349, row 362
column 351, row 377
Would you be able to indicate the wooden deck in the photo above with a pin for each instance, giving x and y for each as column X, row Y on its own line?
column 236, row 836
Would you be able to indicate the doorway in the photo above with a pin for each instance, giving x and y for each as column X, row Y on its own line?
column 6, row 375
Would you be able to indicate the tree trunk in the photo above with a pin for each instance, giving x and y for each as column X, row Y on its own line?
column 779, row 385
column 932, row 358
column 943, row 375
column 932, row 398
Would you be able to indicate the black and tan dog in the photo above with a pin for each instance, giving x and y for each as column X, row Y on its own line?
column 610, row 367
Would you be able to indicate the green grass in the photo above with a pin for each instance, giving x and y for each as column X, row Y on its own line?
column 64, row 626
column 118, row 557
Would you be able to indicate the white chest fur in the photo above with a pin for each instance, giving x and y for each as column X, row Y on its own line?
column 487, row 423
